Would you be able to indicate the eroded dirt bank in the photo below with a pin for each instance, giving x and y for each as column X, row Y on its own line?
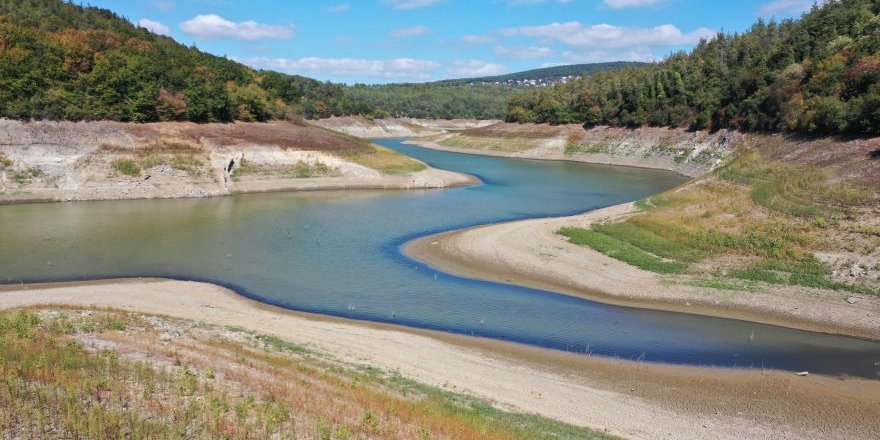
column 59, row 161
column 678, row 150
column 397, row 127
column 634, row 400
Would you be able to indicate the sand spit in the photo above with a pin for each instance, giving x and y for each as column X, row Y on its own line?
column 531, row 253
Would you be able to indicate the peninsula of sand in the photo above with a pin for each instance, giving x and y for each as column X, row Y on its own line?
column 842, row 238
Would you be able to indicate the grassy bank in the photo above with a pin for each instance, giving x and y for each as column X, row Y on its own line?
column 385, row 160
column 755, row 220
column 103, row 374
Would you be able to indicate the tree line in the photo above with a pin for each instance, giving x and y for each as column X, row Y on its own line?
column 817, row 74
column 62, row 61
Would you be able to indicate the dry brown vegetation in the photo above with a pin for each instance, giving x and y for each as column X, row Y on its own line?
column 284, row 135
column 72, row 373
column 782, row 211
column 386, row 161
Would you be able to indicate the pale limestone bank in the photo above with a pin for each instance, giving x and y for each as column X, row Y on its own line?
column 65, row 161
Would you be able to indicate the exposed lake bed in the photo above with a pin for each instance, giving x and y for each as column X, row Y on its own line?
column 312, row 252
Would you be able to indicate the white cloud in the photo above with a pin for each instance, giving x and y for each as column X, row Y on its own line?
column 339, row 8
column 411, row 31
column 163, row 5
column 475, row 39
column 606, row 36
column 533, row 2
column 400, row 68
column 410, row 4
column 601, row 56
column 343, row 40
column 474, row 68
column 620, row 4
column 154, row 27
column 213, row 26
column 788, row 6
column 524, row 52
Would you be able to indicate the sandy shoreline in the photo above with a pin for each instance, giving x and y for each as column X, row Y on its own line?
column 629, row 399
column 530, row 253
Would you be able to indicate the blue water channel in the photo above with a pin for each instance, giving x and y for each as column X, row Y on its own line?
column 338, row 253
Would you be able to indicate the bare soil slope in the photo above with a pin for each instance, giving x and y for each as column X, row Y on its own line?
column 47, row 161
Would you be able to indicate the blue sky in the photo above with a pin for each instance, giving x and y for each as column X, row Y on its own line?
column 380, row 41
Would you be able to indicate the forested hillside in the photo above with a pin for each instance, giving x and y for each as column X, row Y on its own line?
column 818, row 74
column 429, row 100
column 59, row 60
column 63, row 61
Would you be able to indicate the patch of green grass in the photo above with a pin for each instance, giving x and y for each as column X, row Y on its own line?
column 798, row 191
column 489, row 143
column 188, row 163
column 116, row 324
column 681, row 156
column 127, row 167
column 644, row 204
column 5, row 162
column 281, row 345
column 621, row 250
column 299, row 170
column 596, row 148
column 386, row 161
column 27, row 175
column 767, row 239
column 808, row 272
column 650, row 242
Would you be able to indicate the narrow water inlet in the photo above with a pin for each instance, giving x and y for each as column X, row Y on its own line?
column 337, row 253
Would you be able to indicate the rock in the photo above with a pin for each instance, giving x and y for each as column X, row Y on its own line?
column 852, row 300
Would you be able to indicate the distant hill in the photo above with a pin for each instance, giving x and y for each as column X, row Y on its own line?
column 546, row 75
column 470, row 98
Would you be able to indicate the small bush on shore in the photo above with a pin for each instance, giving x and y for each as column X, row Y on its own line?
column 127, row 167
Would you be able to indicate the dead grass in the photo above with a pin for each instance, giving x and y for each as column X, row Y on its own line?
column 489, row 143
column 758, row 220
column 386, row 161
column 284, row 135
column 299, row 170
column 72, row 373
column 518, row 131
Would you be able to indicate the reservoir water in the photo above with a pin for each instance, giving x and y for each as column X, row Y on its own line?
column 338, row 253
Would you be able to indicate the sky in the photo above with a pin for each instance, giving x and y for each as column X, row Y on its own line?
column 382, row 41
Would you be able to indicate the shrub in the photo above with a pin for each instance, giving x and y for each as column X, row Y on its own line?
column 127, row 167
